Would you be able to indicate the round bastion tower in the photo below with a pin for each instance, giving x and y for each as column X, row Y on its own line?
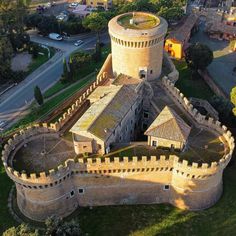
column 137, row 44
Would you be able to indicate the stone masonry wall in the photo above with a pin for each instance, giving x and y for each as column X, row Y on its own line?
column 114, row 181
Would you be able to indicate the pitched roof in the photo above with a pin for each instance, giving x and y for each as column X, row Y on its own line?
column 111, row 103
column 183, row 32
column 168, row 125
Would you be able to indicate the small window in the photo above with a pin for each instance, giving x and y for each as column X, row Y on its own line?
column 150, row 71
column 154, row 143
column 81, row 191
column 166, row 187
column 72, row 193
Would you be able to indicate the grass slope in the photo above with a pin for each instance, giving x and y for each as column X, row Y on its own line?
column 191, row 87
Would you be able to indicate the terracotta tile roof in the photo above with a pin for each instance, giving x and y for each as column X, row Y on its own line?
column 182, row 33
column 168, row 125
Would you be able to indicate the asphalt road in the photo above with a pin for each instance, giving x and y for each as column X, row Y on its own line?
column 15, row 102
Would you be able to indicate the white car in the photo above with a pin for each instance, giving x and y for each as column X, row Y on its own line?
column 51, row 4
column 2, row 124
column 78, row 43
column 55, row 36
column 73, row 4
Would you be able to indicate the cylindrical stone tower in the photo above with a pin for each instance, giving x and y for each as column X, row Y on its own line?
column 137, row 44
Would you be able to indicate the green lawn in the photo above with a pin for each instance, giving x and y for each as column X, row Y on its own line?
column 89, row 68
column 191, row 87
column 40, row 60
column 37, row 112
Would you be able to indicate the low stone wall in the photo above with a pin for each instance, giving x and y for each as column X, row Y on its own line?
column 174, row 74
column 212, row 84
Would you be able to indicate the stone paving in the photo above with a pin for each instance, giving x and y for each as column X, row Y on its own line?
column 43, row 154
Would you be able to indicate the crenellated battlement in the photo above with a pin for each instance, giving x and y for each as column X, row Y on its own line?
column 108, row 165
column 103, row 75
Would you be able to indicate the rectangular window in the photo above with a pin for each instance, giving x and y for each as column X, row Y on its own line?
column 154, row 143
column 166, row 187
column 81, row 190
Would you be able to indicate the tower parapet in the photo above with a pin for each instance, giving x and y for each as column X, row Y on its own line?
column 137, row 44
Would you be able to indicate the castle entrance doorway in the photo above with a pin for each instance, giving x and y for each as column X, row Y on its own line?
column 143, row 73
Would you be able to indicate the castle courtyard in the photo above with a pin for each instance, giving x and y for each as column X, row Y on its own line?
column 33, row 158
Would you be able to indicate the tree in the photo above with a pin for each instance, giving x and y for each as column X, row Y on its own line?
column 72, row 68
column 38, row 95
column 198, row 56
column 233, row 99
column 171, row 14
column 19, row 40
column 21, row 230
column 65, row 75
column 95, row 22
column 6, row 52
column 55, row 227
column 98, row 53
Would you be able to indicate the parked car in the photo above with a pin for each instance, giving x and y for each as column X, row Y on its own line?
column 55, row 36
column 78, row 43
column 51, row 4
column 73, row 4
column 2, row 124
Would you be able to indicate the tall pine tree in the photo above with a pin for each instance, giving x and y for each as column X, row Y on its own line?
column 38, row 95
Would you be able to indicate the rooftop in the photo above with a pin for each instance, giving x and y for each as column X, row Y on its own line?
column 110, row 104
column 182, row 33
column 138, row 20
column 169, row 125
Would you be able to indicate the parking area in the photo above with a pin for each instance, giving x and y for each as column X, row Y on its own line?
column 221, row 69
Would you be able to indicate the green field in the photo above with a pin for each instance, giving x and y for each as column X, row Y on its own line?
column 40, row 60
column 89, row 68
column 191, row 87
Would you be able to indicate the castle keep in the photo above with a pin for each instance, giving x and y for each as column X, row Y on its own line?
column 109, row 161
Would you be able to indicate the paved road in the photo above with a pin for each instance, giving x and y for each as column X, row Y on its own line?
column 221, row 69
column 15, row 102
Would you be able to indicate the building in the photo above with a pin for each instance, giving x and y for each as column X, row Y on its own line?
column 168, row 130
column 178, row 39
column 137, row 44
column 105, row 4
column 111, row 118
column 122, row 94
column 221, row 30
column 81, row 11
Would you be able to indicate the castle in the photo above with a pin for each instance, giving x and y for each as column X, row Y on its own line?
column 180, row 163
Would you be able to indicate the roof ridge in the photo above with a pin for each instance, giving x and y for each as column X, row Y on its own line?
column 102, row 110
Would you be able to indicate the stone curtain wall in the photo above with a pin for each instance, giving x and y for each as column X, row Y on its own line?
column 103, row 75
column 114, row 181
